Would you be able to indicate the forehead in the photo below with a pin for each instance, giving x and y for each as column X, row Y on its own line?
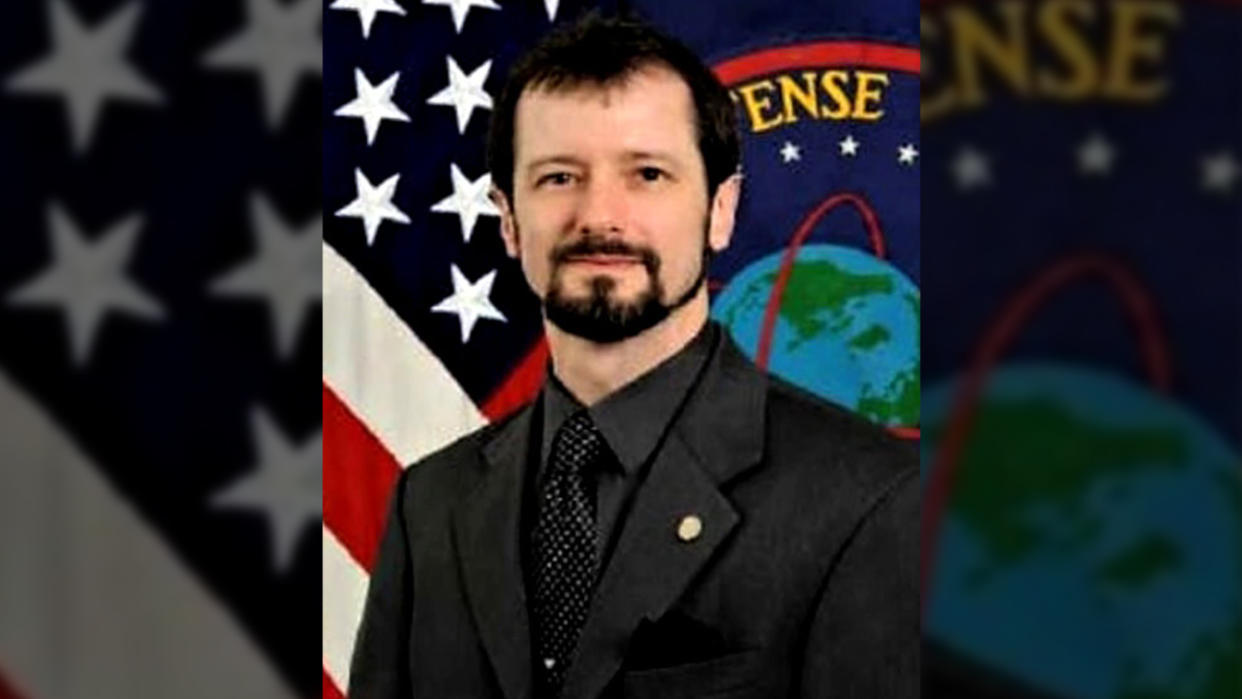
column 650, row 110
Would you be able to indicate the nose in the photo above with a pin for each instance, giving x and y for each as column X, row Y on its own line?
column 604, row 207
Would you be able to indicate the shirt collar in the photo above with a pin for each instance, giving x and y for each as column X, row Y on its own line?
column 633, row 418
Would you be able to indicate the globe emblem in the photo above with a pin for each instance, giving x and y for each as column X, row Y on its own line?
column 1091, row 543
column 1082, row 531
column 847, row 328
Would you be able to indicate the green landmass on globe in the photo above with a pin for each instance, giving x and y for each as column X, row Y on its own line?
column 1143, row 560
column 1036, row 483
column 823, row 298
column 1028, row 452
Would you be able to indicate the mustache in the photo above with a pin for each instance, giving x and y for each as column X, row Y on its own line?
column 594, row 245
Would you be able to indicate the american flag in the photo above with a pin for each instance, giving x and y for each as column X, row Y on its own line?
column 429, row 330
column 159, row 300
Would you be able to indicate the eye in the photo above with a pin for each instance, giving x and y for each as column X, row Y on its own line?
column 555, row 179
column 651, row 174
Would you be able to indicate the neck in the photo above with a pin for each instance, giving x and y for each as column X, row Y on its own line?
column 592, row 371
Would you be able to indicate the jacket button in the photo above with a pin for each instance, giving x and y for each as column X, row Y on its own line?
column 689, row 528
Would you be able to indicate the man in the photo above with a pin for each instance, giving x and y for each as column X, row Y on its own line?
column 665, row 520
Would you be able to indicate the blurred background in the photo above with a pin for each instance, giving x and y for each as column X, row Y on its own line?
column 1081, row 210
column 160, row 286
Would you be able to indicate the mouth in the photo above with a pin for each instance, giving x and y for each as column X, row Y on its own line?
column 603, row 260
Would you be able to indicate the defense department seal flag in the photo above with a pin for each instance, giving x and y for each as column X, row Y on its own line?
column 430, row 331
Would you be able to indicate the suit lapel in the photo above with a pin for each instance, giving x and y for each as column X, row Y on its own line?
column 487, row 526
column 651, row 565
column 718, row 435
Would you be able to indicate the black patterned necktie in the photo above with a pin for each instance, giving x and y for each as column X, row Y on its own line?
column 564, row 545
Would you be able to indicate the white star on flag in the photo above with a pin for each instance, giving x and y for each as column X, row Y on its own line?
column 470, row 301
column 1095, row 155
column 906, row 154
column 848, row 145
column 551, row 6
column 367, row 10
column 790, row 152
column 286, row 486
column 86, row 68
column 971, row 169
column 1220, row 170
column 281, row 44
column 461, row 8
column 87, row 279
column 373, row 103
column 469, row 200
column 373, row 204
column 464, row 92
column 285, row 271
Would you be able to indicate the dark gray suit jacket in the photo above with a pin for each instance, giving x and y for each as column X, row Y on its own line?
column 802, row 583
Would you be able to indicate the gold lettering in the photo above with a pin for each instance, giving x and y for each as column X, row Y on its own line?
column 1129, row 47
column 867, row 96
column 791, row 91
column 832, row 83
column 976, row 44
column 755, row 105
column 932, row 104
column 1067, row 42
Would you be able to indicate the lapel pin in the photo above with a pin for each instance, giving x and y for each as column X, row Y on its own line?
column 549, row 662
column 689, row 528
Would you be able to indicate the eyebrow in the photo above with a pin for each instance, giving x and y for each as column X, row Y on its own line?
column 552, row 160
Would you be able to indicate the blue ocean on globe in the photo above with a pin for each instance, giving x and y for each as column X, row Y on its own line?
column 847, row 328
column 1092, row 543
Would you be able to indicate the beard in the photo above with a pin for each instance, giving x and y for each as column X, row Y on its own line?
column 601, row 317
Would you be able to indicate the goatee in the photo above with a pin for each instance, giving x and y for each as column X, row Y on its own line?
column 601, row 318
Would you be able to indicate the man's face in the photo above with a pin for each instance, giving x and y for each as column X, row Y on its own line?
column 610, row 215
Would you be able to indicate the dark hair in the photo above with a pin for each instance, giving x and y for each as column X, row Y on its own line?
column 599, row 50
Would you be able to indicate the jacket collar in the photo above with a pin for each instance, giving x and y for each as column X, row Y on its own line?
column 723, row 422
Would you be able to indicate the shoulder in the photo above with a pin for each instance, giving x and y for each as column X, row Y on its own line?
column 451, row 472
column 816, row 448
column 842, row 452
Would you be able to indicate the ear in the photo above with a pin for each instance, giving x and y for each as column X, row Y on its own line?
column 723, row 213
column 508, row 226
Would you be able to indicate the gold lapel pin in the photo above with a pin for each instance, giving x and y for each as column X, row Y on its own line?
column 689, row 528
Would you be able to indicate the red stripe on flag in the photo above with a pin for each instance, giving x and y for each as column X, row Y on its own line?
column 521, row 386
column 329, row 688
column 358, row 477
column 7, row 691
column 861, row 54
